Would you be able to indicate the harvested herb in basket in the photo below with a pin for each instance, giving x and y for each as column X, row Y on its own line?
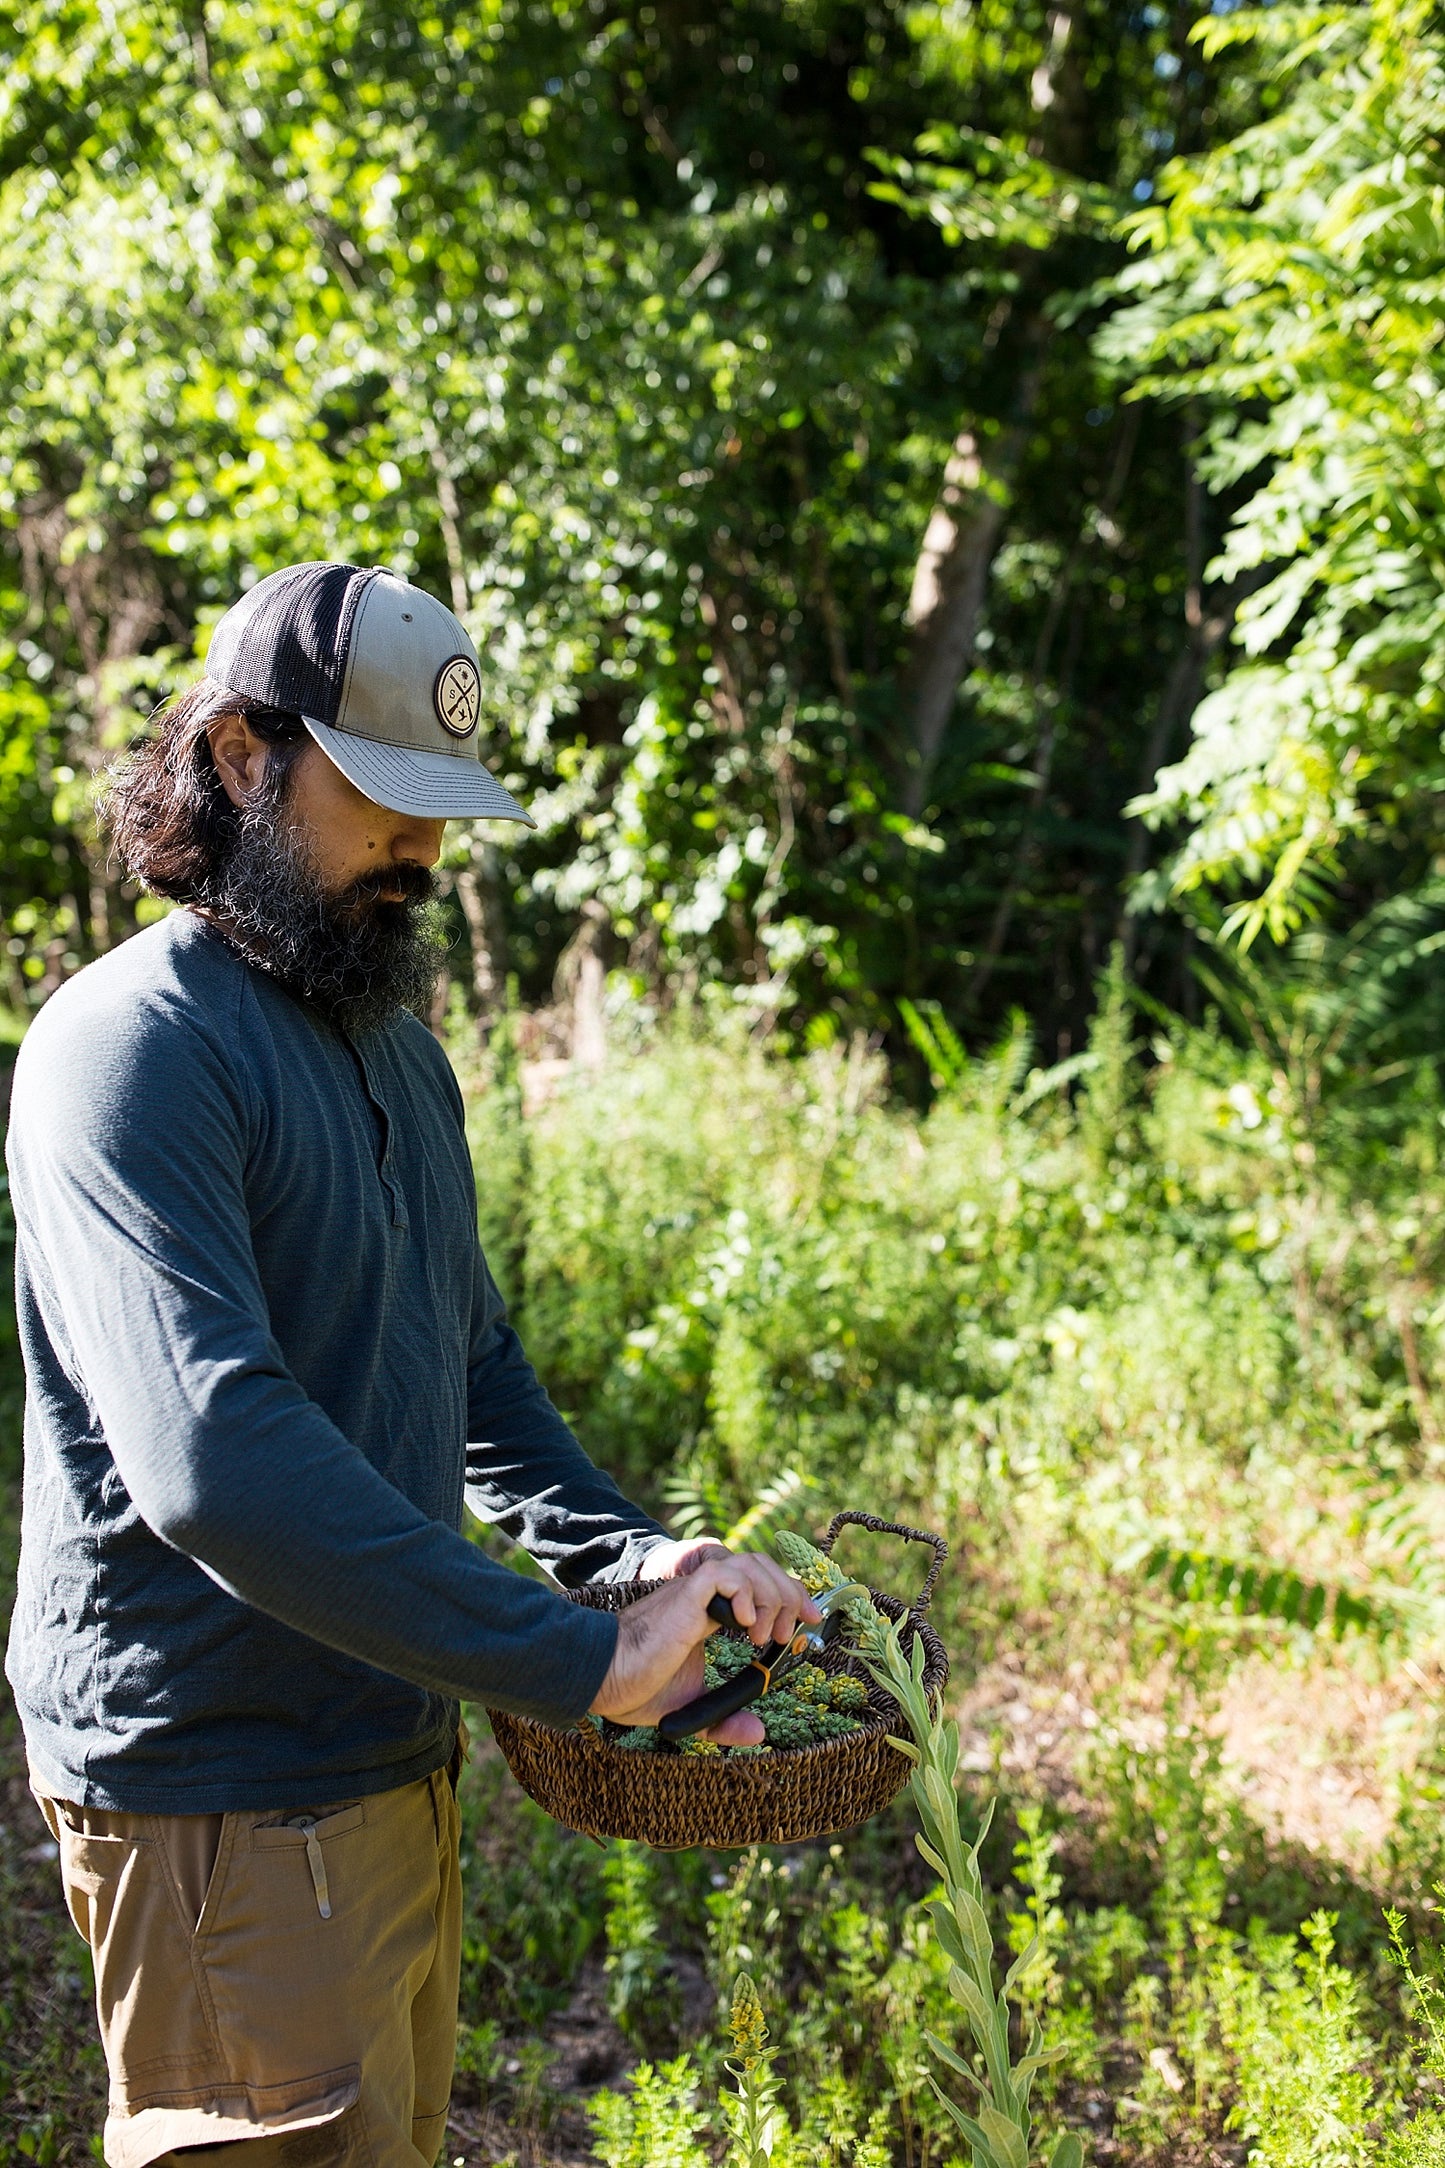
column 802, row 1709
column 726, row 1798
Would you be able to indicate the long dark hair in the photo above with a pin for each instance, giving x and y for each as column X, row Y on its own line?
column 171, row 822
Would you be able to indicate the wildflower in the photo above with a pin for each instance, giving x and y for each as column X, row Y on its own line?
column 808, row 1683
column 808, row 1563
column 746, row 2021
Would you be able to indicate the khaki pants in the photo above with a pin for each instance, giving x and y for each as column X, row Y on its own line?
column 282, row 1978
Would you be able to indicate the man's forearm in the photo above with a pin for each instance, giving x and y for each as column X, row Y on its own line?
column 302, row 1527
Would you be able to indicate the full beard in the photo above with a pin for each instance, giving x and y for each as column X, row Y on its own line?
column 361, row 960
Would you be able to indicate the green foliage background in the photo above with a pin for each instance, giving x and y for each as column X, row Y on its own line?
column 645, row 334
column 946, row 499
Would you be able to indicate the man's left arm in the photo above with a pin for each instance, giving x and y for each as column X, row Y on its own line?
column 528, row 1476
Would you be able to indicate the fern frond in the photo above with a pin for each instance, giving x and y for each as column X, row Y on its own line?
column 767, row 1505
column 937, row 1041
column 696, row 1505
column 1252, row 1589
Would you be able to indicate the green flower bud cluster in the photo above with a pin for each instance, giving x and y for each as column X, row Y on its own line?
column 746, row 2022
column 805, row 1708
column 790, row 1723
column 724, row 1657
column 807, row 1563
column 811, row 1684
column 802, row 1710
column 850, row 1695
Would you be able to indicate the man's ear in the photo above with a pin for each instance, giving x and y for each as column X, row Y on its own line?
column 240, row 755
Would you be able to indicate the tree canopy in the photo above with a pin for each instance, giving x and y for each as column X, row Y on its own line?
column 827, row 416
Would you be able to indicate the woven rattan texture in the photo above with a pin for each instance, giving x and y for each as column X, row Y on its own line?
column 676, row 1801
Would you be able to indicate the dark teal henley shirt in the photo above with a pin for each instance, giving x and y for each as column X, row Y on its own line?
column 266, row 1363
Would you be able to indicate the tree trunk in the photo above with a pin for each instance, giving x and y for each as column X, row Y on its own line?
column 449, row 514
column 479, row 891
column 581, row 983
column 950, row 580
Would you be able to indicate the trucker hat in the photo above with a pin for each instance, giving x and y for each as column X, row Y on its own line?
column 383, row 676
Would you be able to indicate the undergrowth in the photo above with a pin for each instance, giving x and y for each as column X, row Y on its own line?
column 1153, row 1344
column 1155, row 1350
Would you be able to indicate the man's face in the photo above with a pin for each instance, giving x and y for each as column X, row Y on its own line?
column 322, row 888
column 350, row 839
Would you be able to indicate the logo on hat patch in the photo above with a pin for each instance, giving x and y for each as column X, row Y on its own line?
column 457, row 696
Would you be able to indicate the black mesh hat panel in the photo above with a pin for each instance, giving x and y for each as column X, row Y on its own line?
column 386, row 679
column 285, row 642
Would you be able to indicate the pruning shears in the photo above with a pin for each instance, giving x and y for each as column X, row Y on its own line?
column 766, row 1668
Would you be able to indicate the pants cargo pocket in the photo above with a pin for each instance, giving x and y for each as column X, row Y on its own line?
column 278, row 1947
column 154, row 2020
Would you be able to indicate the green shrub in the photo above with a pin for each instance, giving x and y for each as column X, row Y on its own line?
column 636, row 1957
column 656, row 2124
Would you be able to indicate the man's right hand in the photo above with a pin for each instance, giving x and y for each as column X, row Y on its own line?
column 657, row 1664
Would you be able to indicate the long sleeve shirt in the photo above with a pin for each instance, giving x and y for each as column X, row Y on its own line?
column 266, row 1363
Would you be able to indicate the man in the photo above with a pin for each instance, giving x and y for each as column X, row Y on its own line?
column 265, row 1364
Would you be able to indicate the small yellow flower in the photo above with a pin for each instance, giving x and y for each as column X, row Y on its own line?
column 803, row 1559
column 746, row 2021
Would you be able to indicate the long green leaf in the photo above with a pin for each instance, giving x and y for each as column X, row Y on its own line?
column 973, row 1922
column 949, row 2055
column 1010, row 2146
column 945, row 1926
column 990, row 2030
column 935, row 1859
column 976, row 2137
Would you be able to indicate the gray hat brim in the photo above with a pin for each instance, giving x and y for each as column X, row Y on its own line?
column 406, row 779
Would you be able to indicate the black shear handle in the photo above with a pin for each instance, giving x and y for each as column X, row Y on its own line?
column 725, row 1700
column 710, row 1708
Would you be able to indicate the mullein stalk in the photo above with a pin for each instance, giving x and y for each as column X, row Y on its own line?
column 998, row 2130
column 753, row 2111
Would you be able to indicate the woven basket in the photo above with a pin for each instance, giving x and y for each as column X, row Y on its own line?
column 676, row 1801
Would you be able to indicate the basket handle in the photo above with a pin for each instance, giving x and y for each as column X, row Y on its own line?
column 875, row 1527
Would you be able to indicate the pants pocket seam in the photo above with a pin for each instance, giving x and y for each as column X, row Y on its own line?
column 198, row 1934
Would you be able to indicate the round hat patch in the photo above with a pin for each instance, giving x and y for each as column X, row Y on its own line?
column 457, row 696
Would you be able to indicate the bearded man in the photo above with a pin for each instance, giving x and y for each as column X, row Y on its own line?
column 266, row 1365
